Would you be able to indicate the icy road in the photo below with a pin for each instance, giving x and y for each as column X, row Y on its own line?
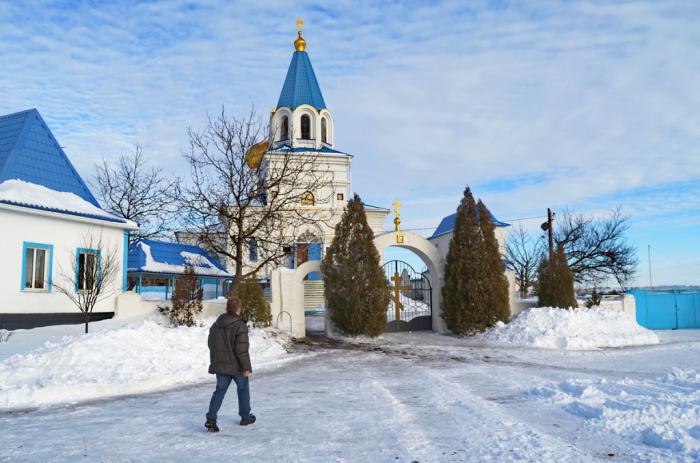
column 410, row 397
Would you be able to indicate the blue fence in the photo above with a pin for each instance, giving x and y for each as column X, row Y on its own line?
column 667, row 310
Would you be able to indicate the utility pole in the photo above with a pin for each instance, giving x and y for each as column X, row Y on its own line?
column 547, row 226
column 550, row 218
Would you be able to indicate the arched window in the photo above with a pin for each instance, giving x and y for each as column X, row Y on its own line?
column 307, row 199
column 285, row 128
column 305, row 127
column 324, row 130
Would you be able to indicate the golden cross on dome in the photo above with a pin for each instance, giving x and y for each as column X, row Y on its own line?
column 300, row 24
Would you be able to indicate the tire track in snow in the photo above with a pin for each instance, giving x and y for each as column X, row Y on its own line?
column 507, row 439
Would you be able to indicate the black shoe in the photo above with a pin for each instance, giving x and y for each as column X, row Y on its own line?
column 211, row 426
column 247, row 421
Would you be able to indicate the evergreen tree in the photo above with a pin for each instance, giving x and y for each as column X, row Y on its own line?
column 555, row 286
column 356, row 290
column 475, row 292
column 187, row 299
column 254, row 307
column 496, row 288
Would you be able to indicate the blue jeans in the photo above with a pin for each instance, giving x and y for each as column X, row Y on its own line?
column 222, row 384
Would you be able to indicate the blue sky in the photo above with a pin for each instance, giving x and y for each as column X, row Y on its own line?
column 588, row 105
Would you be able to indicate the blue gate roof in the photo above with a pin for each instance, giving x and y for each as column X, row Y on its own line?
column 29, row 152
column 151, row 256
column 300, row 86
column 447, row 224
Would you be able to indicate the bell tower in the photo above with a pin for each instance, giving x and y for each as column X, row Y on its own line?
column 300, row 119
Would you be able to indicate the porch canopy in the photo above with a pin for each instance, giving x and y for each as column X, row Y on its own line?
column 154, row 266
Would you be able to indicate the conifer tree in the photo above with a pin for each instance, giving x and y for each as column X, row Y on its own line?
column 254, row 307
column 555, row 283
column 496, row 289
column 355, row 288
column 475, row 292
column 187, row 299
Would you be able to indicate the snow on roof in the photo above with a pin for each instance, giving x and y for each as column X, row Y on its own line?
column 172, row 258
column 20, row 193
column 447, row 224
column 30, row 152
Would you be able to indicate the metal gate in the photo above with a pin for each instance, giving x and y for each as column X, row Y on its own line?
column 411, row 302
column 667, row 309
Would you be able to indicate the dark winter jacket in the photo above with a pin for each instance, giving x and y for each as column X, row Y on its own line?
column 228, row 345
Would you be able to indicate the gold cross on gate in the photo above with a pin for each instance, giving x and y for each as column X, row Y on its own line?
column 396, row 297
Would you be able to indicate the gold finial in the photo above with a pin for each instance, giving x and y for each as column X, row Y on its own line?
column 397, row 215
column 300, row 43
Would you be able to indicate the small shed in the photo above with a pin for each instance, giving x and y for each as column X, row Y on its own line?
column 154, row 266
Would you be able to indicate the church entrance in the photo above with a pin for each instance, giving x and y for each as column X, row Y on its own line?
column 410, row 307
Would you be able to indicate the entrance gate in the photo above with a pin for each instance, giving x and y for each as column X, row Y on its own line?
column 410, row 307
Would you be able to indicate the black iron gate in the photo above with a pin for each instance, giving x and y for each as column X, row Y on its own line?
column 411, row 302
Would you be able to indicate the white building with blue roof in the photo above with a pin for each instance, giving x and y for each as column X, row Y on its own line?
column 46, row 213
column 302, row 124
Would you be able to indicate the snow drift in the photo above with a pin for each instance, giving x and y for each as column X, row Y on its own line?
column 580, row 328
column 661, row 413
column 136, row 358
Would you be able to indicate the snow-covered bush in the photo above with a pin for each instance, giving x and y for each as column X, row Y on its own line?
column 5, row 335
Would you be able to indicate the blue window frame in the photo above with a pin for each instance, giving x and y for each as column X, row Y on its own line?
column 253, row 250
column 87, row 268
column 37, row 266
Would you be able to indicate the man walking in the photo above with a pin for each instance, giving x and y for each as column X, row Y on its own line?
column 230, row 361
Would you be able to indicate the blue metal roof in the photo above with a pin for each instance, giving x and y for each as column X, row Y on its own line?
column 300, row 149
column 300, row 86
column 447, row 224
column 29, row 152
column 172, row 258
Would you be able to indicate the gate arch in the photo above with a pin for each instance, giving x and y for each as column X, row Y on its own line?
column 430, row 255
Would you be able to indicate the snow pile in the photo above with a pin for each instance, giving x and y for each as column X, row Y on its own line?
column 136, row 358
column 30, row 194
column 662, row 413
column 580, row 328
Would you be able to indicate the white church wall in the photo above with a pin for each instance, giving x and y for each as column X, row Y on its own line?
column 65, row 235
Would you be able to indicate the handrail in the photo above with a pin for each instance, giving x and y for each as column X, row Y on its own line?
column 280, row 315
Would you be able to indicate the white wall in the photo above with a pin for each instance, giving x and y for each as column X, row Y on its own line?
column 65, row 235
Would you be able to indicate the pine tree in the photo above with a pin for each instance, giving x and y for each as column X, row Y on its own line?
column 496, row 290
column 475, row 292
column 254, row 307
column 555, row 283
column 187, row 299
column 356, row 290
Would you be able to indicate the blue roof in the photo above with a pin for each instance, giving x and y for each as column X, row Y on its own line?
column 300, row 86
column 29, row 152
column 300, row 149
column 151, row 256
column 447, row 224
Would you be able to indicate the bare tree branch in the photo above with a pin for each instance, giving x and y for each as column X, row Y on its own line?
column 144, row 195
column 597, row 250
column 234, row 196
column 93, row 274
column 523, row 254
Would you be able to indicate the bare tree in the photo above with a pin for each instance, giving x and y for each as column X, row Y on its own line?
column 93, row 275
column 597, row 249
column 523, row 254
column 138, row 193
column 253, row 195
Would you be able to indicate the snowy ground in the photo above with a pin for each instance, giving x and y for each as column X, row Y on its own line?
column 408, row 397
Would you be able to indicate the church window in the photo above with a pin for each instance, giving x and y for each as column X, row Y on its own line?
column 307, row 199
column 324, row 130
column 285, row 128
column 305, row 127
column 340, row 196
column 253, row 250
